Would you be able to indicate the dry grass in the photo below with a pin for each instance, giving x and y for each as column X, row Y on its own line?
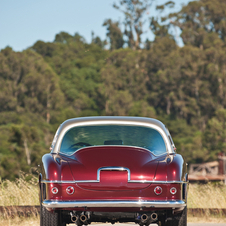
column 20, row 192
column 24, row 192
column 207, row 195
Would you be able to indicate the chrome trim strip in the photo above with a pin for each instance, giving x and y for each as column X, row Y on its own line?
column 122, row 203
column 95, row 181
column 112, row 168
column 157, row 182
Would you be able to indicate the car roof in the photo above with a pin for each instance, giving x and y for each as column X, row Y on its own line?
column 113, row 118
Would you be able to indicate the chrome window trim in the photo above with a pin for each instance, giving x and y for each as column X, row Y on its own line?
column 113, row 203
column 112, row 122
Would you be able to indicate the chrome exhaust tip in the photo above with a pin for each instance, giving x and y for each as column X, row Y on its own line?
column 74, row 218
column 154, row 216
column 83, row 218
column 144, row 218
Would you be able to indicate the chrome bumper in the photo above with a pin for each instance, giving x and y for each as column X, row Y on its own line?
column 149, row 204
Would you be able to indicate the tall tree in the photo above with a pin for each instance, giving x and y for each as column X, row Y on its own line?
column 97, row 40
column 114, row 34
column 214, row 137
column 64, row 37
column 124, row 84
column 199, row 18
column 134, row 13
column 28, row 83
column 159, row 25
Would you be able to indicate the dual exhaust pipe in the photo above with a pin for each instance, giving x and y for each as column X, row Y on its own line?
column 79, row 218
column 145, row 218
column 83, row 218
column 74, row 218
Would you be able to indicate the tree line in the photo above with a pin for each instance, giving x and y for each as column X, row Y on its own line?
column 185, row 87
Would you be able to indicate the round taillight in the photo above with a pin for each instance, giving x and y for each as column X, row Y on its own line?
column 158, row 190
column 54, row 190
column 173, row 191
column 70, row 190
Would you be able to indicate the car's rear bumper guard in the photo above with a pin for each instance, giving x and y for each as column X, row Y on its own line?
column 147, row 204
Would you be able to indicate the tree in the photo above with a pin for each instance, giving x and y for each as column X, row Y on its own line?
column 97, row 40
column 44, row 49
column 78, row 65
column 134, row 12
column 124, row 82
column 199, row 18
column 23, row 142
column 28, row 84
column 159, row 26
column 214, row 137
column 114, row 34
column 65, row 38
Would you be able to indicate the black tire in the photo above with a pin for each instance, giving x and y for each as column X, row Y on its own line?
column 48, row 218
column 183, row 218
column 179, row 220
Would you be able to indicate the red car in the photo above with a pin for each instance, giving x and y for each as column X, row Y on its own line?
column 113, row 169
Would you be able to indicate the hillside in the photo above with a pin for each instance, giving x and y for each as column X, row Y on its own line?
column 185, row 87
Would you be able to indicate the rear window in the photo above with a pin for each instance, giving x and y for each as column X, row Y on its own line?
column 98, row 135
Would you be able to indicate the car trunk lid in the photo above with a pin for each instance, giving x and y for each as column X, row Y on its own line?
column 110, row 168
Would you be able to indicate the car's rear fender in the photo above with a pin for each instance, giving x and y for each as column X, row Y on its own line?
column 54, row 168
column 172, row 168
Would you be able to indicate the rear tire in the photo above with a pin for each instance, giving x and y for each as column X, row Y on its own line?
column 179, row 220
column 183, row 218
column 48, row 218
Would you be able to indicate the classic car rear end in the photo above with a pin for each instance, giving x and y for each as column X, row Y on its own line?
column 113, row 169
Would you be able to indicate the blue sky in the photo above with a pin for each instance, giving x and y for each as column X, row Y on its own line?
column 23, row 22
